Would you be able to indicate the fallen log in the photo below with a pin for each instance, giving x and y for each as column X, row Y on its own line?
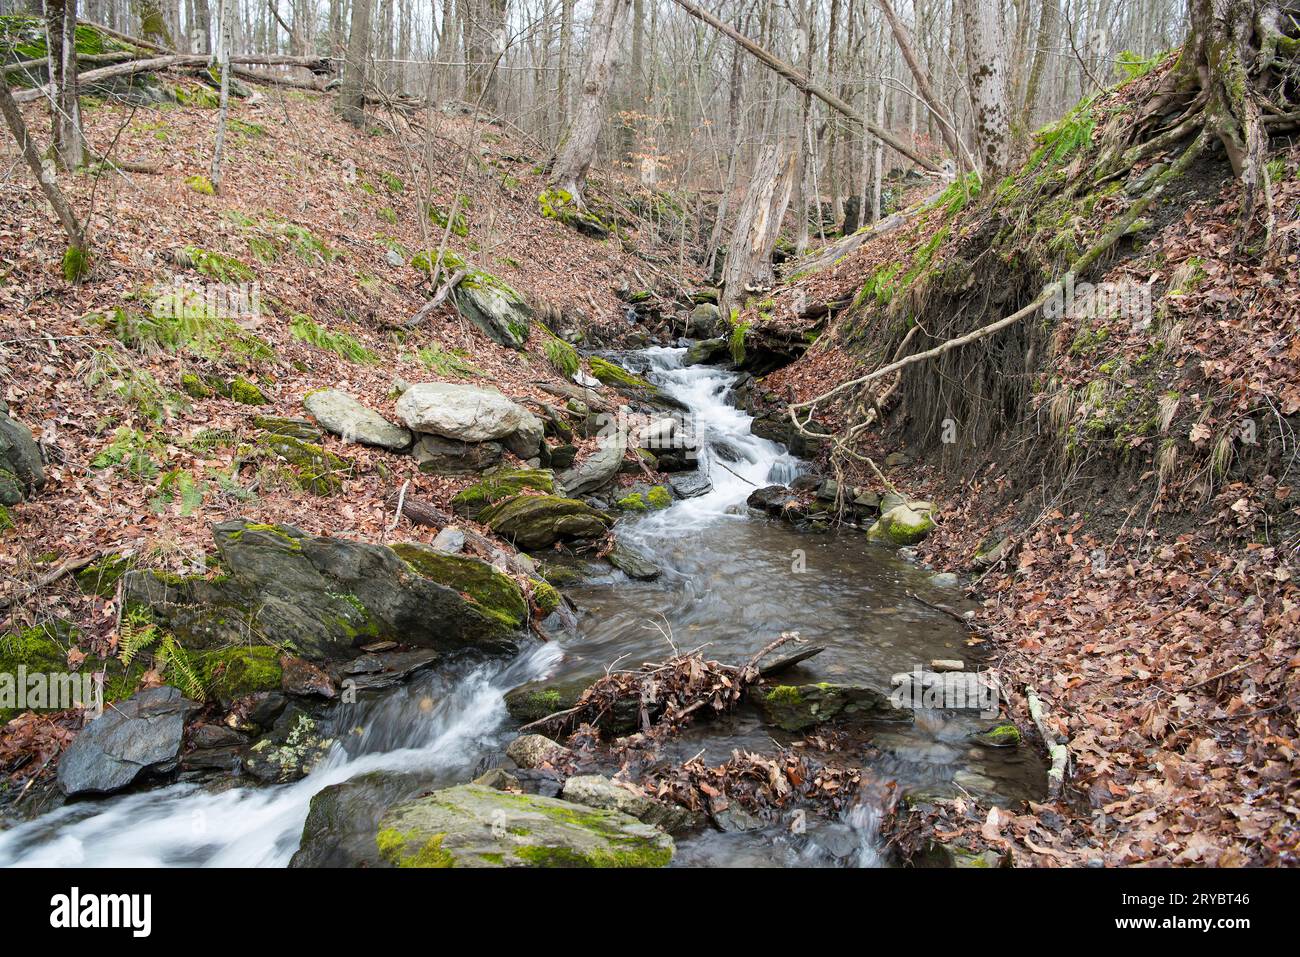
column 172, row 60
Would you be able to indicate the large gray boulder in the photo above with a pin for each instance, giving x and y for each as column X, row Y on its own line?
column 597, row 469
column 465, row 412
column 705, row 322
column 329, row 596
column 476, row 826
column 21, row 472
column 141, row 734
column 495, row 308
column 341, row 414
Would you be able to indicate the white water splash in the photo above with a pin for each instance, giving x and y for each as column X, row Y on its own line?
column 439, row 723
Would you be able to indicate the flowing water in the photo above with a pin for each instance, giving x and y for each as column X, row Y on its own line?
column 730, row 582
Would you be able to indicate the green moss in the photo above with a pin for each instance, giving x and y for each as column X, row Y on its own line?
column 193, row 386
column 201, row 184
column 245, row 392
column 659, row 497
column 558, row 204
column 215, row 265
column 547, row 598
column 784, row 694
column 615, row 375
column 495, row 594
column 6, row 519
column 76, row 264
column 425, row 259
column 40, row 649
column 459, row 225
column 632, row 503
column 314, row 469
column 395, row 848
column 347, row 347
column 234, row 672
column 498, row 484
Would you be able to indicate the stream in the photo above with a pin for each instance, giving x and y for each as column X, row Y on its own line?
column 731, row 581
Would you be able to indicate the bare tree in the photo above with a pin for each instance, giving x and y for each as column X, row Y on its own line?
column 65, row 108
column 356, row 67
column 577, row 150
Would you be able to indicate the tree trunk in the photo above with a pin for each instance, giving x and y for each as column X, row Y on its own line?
column 748, row 265
column 75, row 260
column 577, row 149
column 153, row 24
column 1047, row 26
column 987, row 71
column 357, row 65
column 65, row 108
column 226, row 13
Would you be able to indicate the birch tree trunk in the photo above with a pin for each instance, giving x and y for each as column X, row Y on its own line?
column 577, row 149
column 987, row 71
column 221, row 57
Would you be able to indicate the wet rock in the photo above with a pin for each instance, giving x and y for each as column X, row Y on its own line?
column 775, row 500
column 945, row 580
column 705, row 322
column 597, row 469
column 903, row 524
column 22, row 474
column 443, row 456
column 498, row 779
column 375, row 672
column 1005, row 735
column 534, row 750
column 947, row 664
column 300, row 677
column 632, row 562
column 463, row 412
column 731, row 817
column 133, row 737
column 265, row 708
column 345, row 416
column 706, row 351
column 690, row 486
column 538, row 521
column 595, row 790
column 329, row 596
column 473, row 826
column 540, row 699
column 795, row 708
column 343, row 819
column 499, row 311
column 289, row 753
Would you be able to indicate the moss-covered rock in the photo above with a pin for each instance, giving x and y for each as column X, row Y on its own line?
column 496, row 594
column 796, row 708
column 312, row 467
column 245, row 392
column 499, row 483
column 904, row 524
column 559, row 204
column 101, row 578
column 475, row 826
column 322, row 598
column 40, row 649
column 538, row 521
column 231, row 673
column 501, row 312
column 545, row 595
column 1005, row 735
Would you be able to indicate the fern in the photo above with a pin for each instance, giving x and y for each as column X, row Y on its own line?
column 445, row 363
column 347, row 347
column 560, row 354
column 172, row 655
column 138, row 632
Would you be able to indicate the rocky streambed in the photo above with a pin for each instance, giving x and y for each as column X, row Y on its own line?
column 374, row 683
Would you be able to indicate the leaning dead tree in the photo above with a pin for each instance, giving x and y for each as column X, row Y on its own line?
column 806, row 86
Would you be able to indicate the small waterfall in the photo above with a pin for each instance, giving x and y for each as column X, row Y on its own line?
column 440, row 724
column 736, row 460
